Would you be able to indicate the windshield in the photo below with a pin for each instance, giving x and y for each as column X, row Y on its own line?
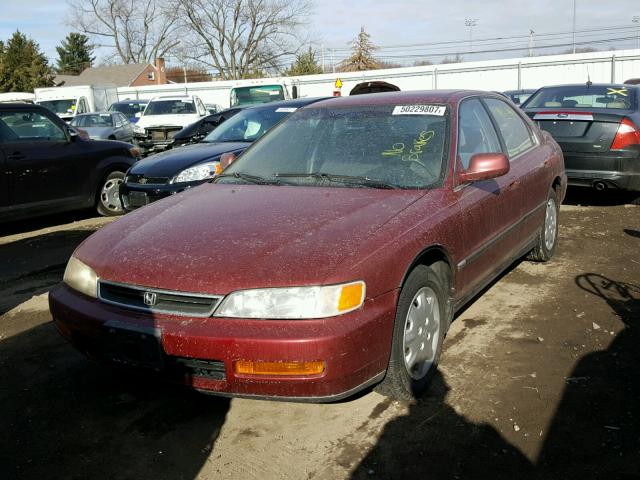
column 583, row 96
column 248, row 125
column 96, row 120
column 381, row 144
column 129, row 109
column 519, row 98
column 60, row 106
column 170, row 107
column 261, row 94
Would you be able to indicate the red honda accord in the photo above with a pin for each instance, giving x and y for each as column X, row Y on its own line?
column 331, row 256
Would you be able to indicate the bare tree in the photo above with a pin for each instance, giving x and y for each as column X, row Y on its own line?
column 138, row 30
column 241, row 37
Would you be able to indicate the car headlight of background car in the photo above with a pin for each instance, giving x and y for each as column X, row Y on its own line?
column 81, row 277
column 198, row 172
column 293, row 302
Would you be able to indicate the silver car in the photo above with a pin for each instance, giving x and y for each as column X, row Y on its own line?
column 105, row 126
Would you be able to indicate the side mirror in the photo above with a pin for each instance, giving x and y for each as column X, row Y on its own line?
column 484, row 166
column 227, row 159
column 138, row 114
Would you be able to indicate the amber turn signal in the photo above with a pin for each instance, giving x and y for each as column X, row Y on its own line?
column 247, row 367
column 351, row 296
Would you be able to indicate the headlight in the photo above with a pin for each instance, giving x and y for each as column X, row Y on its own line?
column 293, row 302
column 80, row 277
column 138, row 129
column 199, row 172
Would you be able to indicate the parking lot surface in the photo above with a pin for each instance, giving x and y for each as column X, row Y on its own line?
column 539, row 379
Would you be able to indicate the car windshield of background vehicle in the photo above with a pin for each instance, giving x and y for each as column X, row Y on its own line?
column 391, row 145
column 129, row 109
column 260, row 94
column 98, row 120
column 59, row 106
column 583, row 96
column 246, row 126
column 170, row 107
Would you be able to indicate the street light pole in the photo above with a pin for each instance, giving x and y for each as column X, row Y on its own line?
column 636, row 20
column 471, row 22
column 574, row 26
column 531, row 32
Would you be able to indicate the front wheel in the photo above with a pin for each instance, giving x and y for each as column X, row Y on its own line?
column 548, row 235
column 109, row 204
column 420, row 326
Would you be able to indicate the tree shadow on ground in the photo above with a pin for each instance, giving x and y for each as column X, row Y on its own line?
column 595, row 432
column 66, row 417
column 590, row 197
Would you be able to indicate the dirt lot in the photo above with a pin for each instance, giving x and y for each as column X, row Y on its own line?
column 539, row 379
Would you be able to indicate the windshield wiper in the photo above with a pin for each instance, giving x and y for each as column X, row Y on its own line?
column 348, row 179
column 248, row 178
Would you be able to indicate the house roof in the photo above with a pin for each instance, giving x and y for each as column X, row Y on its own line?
column 118, row 75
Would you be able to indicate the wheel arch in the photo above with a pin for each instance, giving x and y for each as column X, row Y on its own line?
column 104, row 173
column 428, row 257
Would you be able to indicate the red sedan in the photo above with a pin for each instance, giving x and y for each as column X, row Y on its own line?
column 331, row 256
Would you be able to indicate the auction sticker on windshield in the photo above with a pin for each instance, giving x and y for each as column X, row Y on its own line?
column 438, row 110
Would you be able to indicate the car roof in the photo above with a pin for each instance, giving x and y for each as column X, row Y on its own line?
column 131, row 101
column 298, row 102
column 22, row 106
column 403, row 98
column 612, row 85
column 172, row 97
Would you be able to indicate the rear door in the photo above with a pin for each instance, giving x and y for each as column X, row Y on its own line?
column 43, row 162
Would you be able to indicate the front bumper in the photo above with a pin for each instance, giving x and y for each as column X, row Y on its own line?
column 200, row 352
column 148, row 147
column 135, row 195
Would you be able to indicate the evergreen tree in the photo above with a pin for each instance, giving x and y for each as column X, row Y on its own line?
column 74, row 54
column 23, row 66
column 305, row 64
column 362, row 55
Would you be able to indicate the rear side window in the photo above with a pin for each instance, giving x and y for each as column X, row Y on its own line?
column 513, row 128
column 29, row 127
column 477, row 134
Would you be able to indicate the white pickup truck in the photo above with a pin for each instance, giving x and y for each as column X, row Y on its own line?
column 163, row 118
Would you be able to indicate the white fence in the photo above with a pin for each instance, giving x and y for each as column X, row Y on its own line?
column 508, row 74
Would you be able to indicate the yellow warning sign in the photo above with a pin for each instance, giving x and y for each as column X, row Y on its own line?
column 338, row 83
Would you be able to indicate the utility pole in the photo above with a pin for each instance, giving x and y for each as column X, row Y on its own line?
column 531, row 32
column 333, row 63
column 184, row 71
column 574, row 27
column 322, row 56
column 636, row 20
column 471, row 22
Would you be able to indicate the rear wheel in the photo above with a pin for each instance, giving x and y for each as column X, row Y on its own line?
column 548, row 235
column 109, row 204
column 420, row 325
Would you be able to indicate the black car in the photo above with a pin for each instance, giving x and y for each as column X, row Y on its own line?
column 45, row 166
column 597, row 127
column 170, row 172
column 196, row 132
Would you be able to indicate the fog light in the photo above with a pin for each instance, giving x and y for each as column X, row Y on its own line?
column 247, row 367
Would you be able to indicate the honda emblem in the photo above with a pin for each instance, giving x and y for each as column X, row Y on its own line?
column 150, row 298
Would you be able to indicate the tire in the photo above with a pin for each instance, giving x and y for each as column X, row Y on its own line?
column 109, row 204
column 547, row 237
column 408, row 374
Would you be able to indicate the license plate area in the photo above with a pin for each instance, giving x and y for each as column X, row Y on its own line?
column 134, row 347
column 138, row 199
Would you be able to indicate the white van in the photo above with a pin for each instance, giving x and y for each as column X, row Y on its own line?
column 67, row 102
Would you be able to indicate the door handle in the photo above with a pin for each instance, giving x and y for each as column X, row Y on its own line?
column 515, row 183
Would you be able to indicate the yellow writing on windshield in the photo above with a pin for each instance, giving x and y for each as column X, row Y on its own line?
column 416, row 151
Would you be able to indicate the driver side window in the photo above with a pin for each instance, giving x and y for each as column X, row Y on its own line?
column 475, row 132
column 23, row 126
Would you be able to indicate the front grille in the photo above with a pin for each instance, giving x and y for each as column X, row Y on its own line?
column 133, row 178
column 163, row 133
column 204, row 368
column 157, row 301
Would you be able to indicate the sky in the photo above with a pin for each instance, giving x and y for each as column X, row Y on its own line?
column 334, row 24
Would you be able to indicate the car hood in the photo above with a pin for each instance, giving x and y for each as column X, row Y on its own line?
column 147, row 121
column 220, row 238
column 168, row 163
column 98, row 132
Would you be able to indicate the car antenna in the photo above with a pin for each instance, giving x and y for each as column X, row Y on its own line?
column 589, row 82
